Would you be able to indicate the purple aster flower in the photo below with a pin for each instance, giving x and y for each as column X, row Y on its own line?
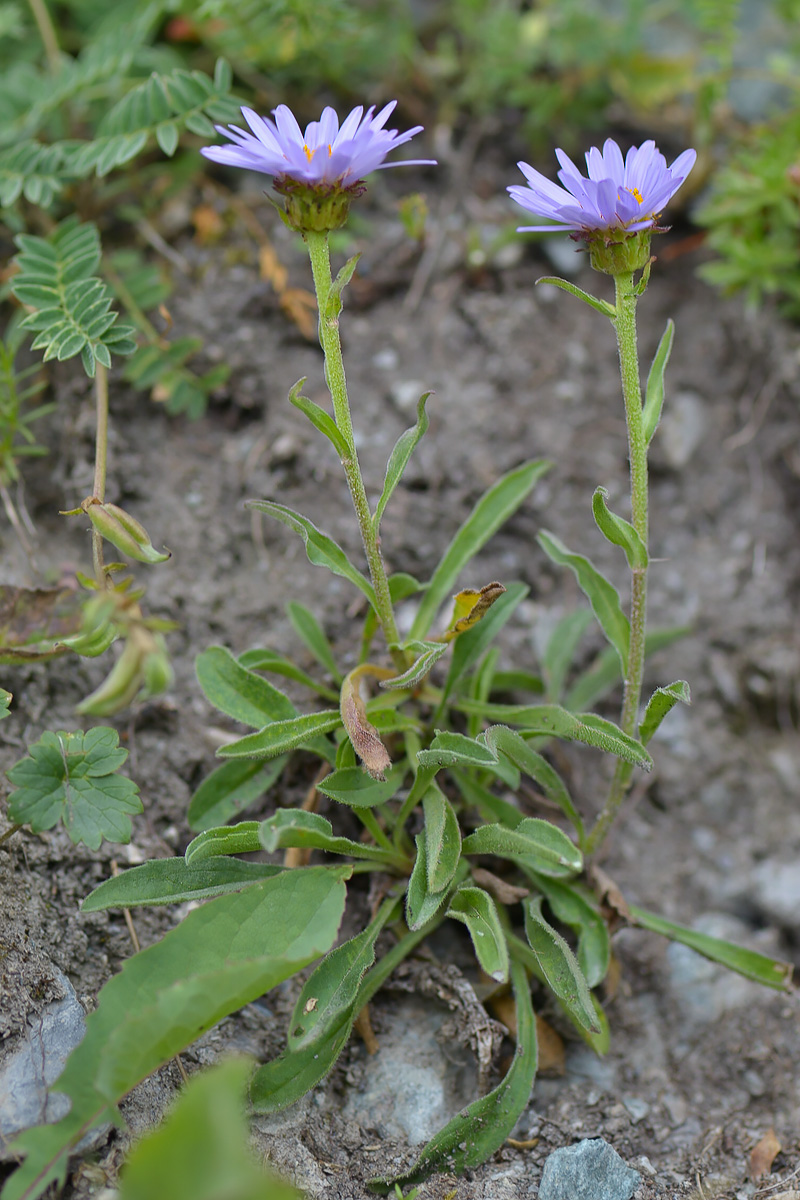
column 620, row 195
column 325, row 157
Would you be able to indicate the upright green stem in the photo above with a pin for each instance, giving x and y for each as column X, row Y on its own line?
column 100, row 460
column 47, row 33
column 319, row 254
column 625, row 326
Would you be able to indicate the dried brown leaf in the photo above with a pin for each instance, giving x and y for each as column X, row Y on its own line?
column 763, row 1154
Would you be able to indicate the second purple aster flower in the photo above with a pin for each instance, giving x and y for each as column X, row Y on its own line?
column 320, row 170
column 617, row 200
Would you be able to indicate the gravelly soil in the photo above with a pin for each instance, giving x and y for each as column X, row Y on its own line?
column 700, row 1066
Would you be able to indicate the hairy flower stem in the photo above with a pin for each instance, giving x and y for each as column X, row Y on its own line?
column 319, row 253
column 100, row 460
column 625, row 325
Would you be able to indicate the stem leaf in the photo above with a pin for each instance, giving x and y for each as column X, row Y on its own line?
column 295, row 827
column 618, row 531
column 662, row 701
column 282, row 736
column 321, row 549
column 601, row 306
column 654, row 392
column 539, row 843
column 240, row 693
column 602, row 595
column 354, row 787
column 319, row 418
column 442, row 839
column 399, row 458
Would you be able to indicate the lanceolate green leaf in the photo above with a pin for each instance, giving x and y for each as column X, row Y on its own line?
column 269, row 660
column 287, row 1078
column 442, row 839
column 506, row 741
column 307, row 627
column 318, row 417
column 579, row 727
column 574, row 909
column 398, row 459
column 769, row 971
column 428, row 654
column 601, row 306
column 240, row 693
column 201, row 1150
column 532, row 839
column 602, row 596
column 617, row 530
column 227, row 839
column 231, row 788
column 559, row 966
column 603, row 676
column 321, row 549
column 559, row 653
column 354, row 787
column 222, row 956
column 328, row 995
column 481, row 1128
column 421, row 903
column 172, row 881
column 476, row 909
column 654, row 392
column 492, row 510
column 662, row 701
column 295, row 827
column 282, row 736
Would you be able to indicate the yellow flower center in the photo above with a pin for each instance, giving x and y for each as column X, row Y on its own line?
column 309, row 153
column 637, row 195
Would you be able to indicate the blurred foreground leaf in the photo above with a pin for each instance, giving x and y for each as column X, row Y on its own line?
column 222, row 956
column 201, row 1150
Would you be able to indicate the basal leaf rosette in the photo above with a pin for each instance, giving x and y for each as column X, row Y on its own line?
column 615, row 209
column 319, row 171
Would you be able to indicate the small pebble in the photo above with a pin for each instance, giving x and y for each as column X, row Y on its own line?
column 590, row 1170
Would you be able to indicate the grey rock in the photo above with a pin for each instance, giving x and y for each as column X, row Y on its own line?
column 776, row 890
column 590, row 1170
column 681, row 431
column 37, row 1061
column 637, row 1108
column 414, row 1084
column 704, row 990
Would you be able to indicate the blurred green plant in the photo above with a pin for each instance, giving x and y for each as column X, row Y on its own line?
column 753, row 216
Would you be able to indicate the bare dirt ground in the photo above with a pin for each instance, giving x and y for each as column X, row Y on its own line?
column 702, row 1064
